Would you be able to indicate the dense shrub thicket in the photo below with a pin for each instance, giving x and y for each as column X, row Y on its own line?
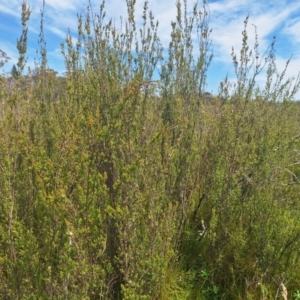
column 117, row 186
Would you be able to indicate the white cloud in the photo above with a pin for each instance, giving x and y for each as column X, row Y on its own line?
column 228, row 7
column 61, row 33
column 7, row 10
column 292, row 30
column 61, row 5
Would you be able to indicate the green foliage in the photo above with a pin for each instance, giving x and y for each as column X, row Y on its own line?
column 297, row 295
column 4, row 58
column 117, row 186
column 22, row 42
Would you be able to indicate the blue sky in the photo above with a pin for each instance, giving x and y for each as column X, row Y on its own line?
column 278, row 17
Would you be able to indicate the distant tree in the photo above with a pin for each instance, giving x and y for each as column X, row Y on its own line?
column 14, row 72
column 208, row 96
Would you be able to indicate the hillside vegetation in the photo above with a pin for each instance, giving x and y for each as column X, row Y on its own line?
column 121, row 180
